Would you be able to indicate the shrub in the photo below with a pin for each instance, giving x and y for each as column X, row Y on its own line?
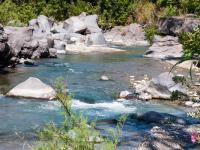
column 75, row 133
column 168, row 12
column 145, row 13
column 150, row 31
column 191, row 43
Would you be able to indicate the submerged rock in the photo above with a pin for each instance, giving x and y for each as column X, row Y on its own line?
column 161, row 118
column 33, row 88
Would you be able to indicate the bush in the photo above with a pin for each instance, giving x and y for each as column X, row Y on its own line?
column 75, row 133
column 145, row 13
column 150, row 31
column 191, row 44
column 111, row 12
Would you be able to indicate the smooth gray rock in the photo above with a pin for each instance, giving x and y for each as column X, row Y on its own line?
column 160, row 87
column 43, row 23
column 33, row 88
column 18, row 36
column 95, row 39
column 75, row 38
column 91, row 24
column 53, row 53
column 75, row 25
column 178, row 24
column 60, row 45
column 61, row 36
column 128, row 35
column 166, row 48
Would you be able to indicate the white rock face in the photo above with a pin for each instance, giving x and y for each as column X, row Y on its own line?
column 124, row 94
column 33, row 88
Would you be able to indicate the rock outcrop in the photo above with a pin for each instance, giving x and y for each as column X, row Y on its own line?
column 161, row 118
column 178, row 24
column 26, row 45
column 165, row 48
column 33, row 88
column 160, row 87
column 131, row 35
column 6, row 53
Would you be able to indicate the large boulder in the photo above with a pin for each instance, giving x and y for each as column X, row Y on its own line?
column 91, row 24
column 160, row 87
column 18, row 37
column 175, row 25
column 33, row 88
column 165, row 48
column 42, row 23
column 83, row 24
column 129, row 35
column 95, row 39
column 75, row 24
column 5, row 52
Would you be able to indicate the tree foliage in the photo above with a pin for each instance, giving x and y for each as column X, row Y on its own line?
column 110, row 12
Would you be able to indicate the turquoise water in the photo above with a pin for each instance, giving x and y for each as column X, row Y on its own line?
column 92, row 97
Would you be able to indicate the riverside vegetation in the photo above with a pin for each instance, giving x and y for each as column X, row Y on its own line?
column 111, row 13
column 75, row 132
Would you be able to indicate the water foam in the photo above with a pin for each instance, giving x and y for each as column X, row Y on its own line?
column 113, row 106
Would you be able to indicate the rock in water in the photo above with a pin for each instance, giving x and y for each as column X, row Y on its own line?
column 125, row 95
column 104, row 78
column 160, row 87
column 33, row 88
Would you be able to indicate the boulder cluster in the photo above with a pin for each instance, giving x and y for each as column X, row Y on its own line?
column 45, row 38
column 167, row 46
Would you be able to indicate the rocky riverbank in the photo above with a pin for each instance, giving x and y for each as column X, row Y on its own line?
column 45, row 38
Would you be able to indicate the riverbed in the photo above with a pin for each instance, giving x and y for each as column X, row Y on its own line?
column 20, row 117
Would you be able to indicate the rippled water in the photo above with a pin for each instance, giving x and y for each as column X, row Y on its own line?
column 92, row 97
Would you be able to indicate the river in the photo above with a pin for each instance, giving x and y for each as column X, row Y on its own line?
column 19, row 117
